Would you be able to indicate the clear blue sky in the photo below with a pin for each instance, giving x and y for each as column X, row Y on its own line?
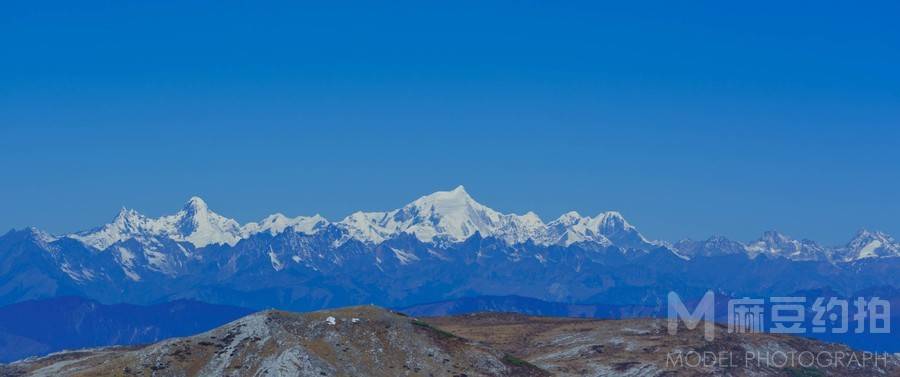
column 691, row 119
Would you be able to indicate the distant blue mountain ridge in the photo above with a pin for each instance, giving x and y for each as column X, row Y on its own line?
column 441, row 247
column 298, row 271
column 39, row 327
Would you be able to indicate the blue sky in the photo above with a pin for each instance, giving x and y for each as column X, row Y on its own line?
column 696, row 119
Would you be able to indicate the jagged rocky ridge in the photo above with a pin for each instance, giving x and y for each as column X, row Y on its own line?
column 441, row 246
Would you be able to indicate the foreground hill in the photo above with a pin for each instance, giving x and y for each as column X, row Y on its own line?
column 369, row 341
column 358, row 341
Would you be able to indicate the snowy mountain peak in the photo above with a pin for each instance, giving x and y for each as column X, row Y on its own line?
column 619, row 231
column 532, row 217
column 278, row 223
column 128, row 223
column 607, row 228
column 569, row 218
column 446, row 200
column 194, row 223
column 776, row 244
column 613, row 215
column 128, row 218
column 454, row 216
column 868, row 235
column 451, row 216
column 40, row 235
column 866, row 244
column 869, row 244
column 444, row 215
column 774, row 237
column 610, row 221
column 196, row 205
column 715, row 245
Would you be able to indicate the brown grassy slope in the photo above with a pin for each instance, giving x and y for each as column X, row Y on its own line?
column 641, row 347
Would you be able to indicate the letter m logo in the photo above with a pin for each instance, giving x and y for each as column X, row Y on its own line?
column 704, row 311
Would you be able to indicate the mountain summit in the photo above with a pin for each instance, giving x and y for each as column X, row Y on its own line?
column 194, row 223
column 454, row 216
column 868, row 244
column 440, row 246
column 444, row 216
column 775, row 244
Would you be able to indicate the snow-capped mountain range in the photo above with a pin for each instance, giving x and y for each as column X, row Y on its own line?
column 865, row 244
column 194, row 223
column 454, row 216
column 444, row 216
column 441, row 246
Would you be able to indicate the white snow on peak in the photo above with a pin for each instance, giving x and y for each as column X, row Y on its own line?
column 194, row 223
column 569, row 218
column 868, row 244
column 451, row 215
column 41, row 235
column 604, row 228
column 611, row 221
column 455, row 216
column 278, row 223
column 775, row 244
column 196, row 204
column 865, row 244
column 715, row 245
column 127, row 224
